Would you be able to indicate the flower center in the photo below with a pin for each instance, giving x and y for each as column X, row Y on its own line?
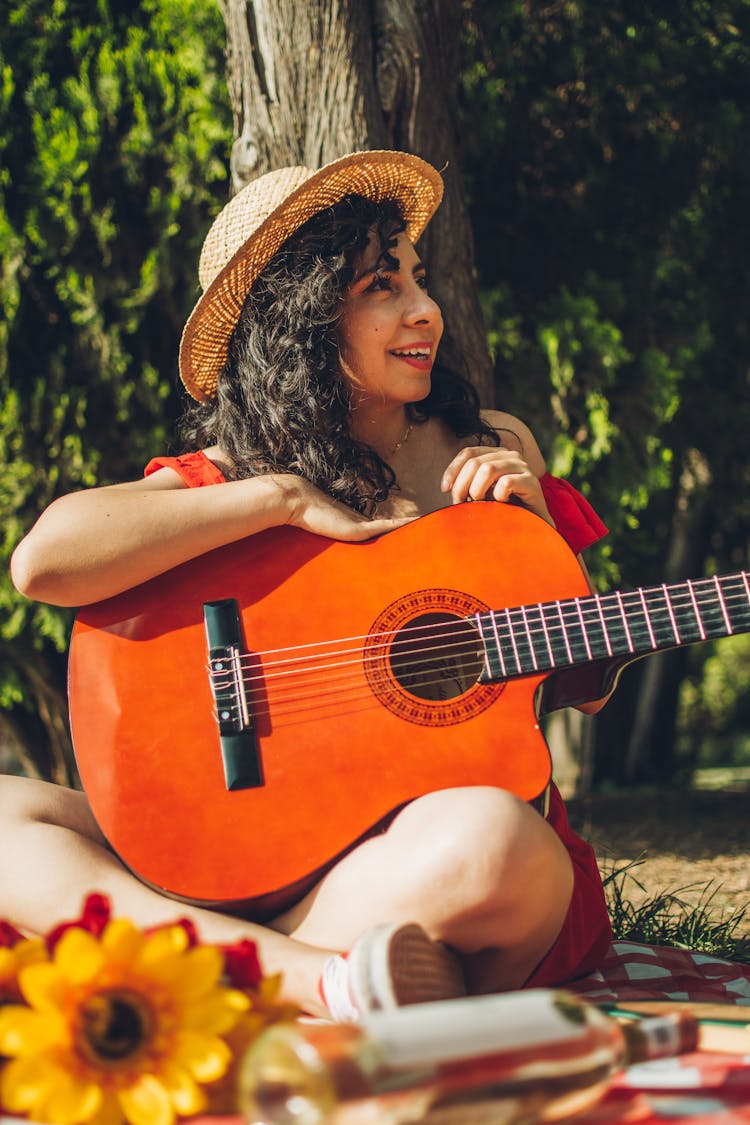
column 113, row 1025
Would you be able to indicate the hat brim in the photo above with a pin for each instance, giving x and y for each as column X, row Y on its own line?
column 412, row 182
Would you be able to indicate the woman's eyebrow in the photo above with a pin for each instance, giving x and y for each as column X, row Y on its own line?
column 378, row 267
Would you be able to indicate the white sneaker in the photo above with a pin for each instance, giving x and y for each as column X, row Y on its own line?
column 389, row 966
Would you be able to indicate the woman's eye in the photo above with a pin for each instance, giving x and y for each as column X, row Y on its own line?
column 379, row 282
column 422, row 281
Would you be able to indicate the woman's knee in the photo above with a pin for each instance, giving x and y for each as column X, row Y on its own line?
column 26, row 801
column 478, row 832
column 492, row 860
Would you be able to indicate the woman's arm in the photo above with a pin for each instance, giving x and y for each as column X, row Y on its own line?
column 486, row 472
column 513, row 469
column 90, row 545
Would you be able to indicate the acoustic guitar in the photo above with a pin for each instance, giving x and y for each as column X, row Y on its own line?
column 240, row 720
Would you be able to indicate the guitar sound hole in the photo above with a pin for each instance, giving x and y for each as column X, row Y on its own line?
column 436, row 656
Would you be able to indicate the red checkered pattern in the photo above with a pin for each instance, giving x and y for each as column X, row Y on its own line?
column 647, row 972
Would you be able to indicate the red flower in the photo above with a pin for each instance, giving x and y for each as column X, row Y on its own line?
column 242, row 965
column 9, row 935
column 96, row 913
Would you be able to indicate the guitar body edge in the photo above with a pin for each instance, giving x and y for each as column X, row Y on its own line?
column 340, row 739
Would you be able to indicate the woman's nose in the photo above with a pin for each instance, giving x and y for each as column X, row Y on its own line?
column 421, row 309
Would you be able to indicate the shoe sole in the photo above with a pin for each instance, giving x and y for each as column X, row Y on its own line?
column 398, row 965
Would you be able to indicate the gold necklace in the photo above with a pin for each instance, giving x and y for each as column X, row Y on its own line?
column 403, row 440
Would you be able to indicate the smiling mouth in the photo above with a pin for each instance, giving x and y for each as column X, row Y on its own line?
column 422, row 354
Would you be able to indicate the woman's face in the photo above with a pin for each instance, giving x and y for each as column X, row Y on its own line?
column 390, row 328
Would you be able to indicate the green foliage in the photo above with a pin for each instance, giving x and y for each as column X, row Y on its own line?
column 607, row 171
column 114, row 136
column 607, row 168
column 664, row 918
column 715, row 705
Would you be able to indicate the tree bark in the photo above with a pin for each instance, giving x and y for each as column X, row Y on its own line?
column 312, row 81
column 650, row 751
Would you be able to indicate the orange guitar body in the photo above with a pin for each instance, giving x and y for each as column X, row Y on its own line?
column 341, row 734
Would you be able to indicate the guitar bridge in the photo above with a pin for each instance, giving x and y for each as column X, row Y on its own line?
column 239, row 748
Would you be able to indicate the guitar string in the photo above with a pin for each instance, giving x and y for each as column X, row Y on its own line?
column 332, row 694
column 567, row 604
column 521, row 629
column 423, row 657
column 587, row 602
column 417, row 680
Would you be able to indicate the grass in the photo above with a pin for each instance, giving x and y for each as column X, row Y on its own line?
column 666, row 919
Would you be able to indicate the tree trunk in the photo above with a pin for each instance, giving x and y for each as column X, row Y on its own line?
column 635, row 734
column 312, row 81
column 650, row 751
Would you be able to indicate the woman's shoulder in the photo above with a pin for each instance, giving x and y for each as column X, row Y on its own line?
column 515, row 434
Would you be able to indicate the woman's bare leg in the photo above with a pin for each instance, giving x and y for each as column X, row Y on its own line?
column 52, row 855
column 476, row 867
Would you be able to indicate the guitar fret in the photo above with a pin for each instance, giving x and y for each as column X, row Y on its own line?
column 638, row 626
column 696, row 611
column 529, row 638
column 522, row 640
column 545, row 631
column 688, row 625
column 605, row 631
column 583, row 628
column 593, row 623
column 514, row 646
column 710, row 609
column 670, row 610
column 539, row 639
column 578, row 644
column 725, row 615
column 558, row 645
column 498, row 646
column 736, row 601
column 628, row 637
column 659, row 615
column 618, row 637
column 561, row 616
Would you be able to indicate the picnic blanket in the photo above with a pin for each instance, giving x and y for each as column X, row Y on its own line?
column 648, row 972
column 701, row 1088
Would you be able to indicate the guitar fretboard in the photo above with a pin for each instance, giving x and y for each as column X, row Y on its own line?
column 522, row 640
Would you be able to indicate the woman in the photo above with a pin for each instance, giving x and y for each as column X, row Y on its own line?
column 313, row 352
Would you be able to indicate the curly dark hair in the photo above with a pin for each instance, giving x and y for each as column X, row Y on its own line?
column 282, row 403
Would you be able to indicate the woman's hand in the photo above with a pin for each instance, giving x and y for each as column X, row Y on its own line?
column 480, row 472
column 311, row 510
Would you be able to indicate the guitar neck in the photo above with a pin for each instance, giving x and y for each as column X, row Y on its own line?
column 549, row 636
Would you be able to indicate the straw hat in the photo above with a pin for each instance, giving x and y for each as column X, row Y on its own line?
column 258, row 220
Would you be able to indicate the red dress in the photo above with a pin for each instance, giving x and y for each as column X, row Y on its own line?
column 586, row 933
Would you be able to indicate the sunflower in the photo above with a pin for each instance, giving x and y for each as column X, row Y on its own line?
column 13, row 958
column 123, row 1027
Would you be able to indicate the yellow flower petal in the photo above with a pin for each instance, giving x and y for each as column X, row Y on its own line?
column 26, row 1032
column 79, row 956
column 201, row 969
column 147, row 1102
column 205, row 1056
column 165, row 943
column 122, row 940
column 187, row 1097
column 70, row 1101
column 109, row 1112
column 217, row 1012
column 42, row 985
column 21, row 1083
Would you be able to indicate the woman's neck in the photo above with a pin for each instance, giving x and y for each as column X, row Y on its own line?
column 385, row 432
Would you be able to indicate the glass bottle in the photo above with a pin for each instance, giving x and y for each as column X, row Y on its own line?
column 515, row 1057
